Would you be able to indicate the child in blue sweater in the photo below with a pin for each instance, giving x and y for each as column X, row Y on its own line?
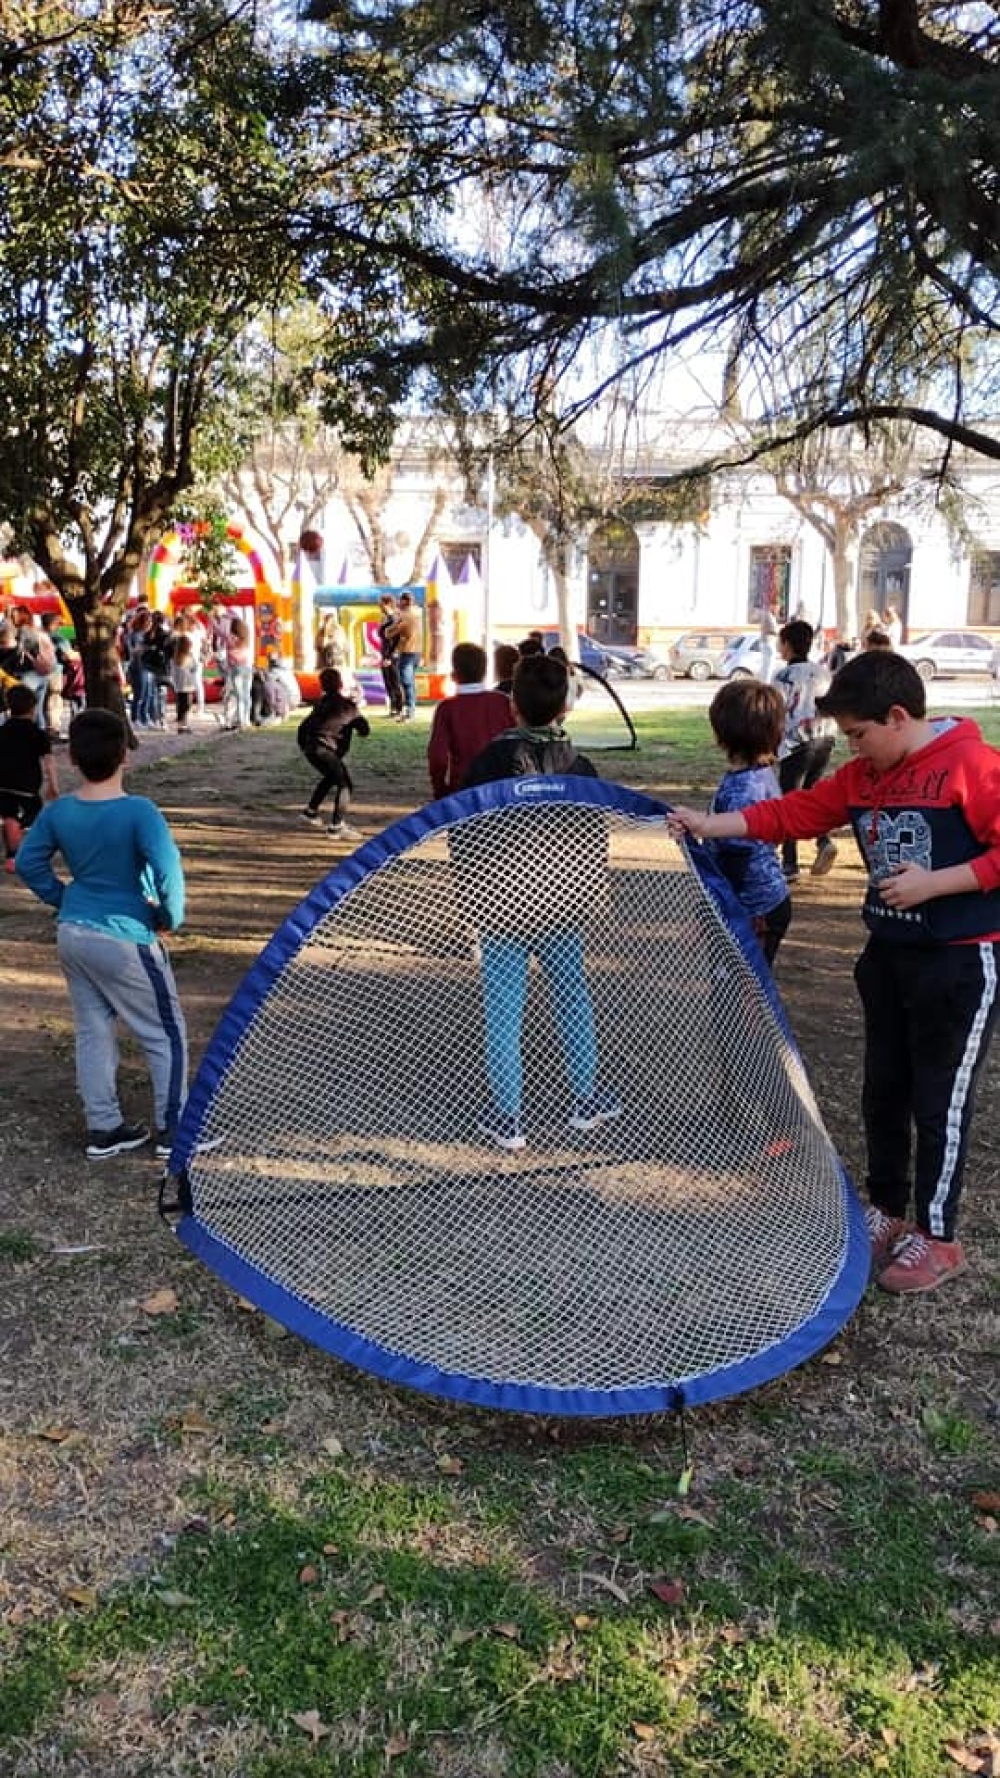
column 125, row 887
column 748, row 721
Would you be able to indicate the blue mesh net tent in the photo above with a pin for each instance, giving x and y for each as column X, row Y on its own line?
column 697, row 1240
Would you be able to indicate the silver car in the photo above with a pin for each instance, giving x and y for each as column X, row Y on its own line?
column 949, row 651
column 698, row 654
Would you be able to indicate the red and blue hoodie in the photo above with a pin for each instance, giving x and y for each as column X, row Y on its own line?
column 939, row 807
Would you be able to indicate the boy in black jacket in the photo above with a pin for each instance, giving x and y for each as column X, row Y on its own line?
column 325, row 737
column 522, row 911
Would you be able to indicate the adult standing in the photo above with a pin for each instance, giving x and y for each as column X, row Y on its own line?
column 768, row 643
column 892, row 624
column 406, row 633
column 388, row 648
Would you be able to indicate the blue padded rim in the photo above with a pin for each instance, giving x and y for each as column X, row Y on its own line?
column 524, row 1398
column 839, row 1303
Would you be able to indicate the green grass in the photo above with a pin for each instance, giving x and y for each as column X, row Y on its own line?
column 821, row 1626
column 17, row 1245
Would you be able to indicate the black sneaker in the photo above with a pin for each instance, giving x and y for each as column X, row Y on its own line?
column 164, row 1144
column 309, row 814
column 103, row 1144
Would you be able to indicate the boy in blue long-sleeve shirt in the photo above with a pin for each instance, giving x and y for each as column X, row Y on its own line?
column 125, row 886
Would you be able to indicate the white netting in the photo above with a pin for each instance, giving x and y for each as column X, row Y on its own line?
column 340, row 1152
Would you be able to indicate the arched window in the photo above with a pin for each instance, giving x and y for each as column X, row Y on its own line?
column 886, row 554
column 613, row 583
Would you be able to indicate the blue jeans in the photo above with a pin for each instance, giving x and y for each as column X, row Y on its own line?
column 407, row 665
column 505, row 963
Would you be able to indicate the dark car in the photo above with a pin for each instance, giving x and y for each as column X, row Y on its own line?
column 589, row 652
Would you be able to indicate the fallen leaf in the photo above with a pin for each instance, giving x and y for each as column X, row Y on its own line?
column 620, row 1533
column 890, row 1736
column 396, row 1745
column 244, row 1303
column 694, row 1517
column 341, row 1621
column 609, row 1586
column 270, row 1428
column 963, row 1756
column 511, row 1631
column 984, row 1499
column 461, row 1636
column 311, row 1723
column 193, row 1420
column 162, row 1302
column 56, row 1435
column 377, row 1592
column 832, row 1358
column 583, row 1622
column 331, row 1549
column 106, row 1704
column 83, row 1596
column 174, row 1600
column 669, row 1592
column 644, row 1731
column 308, row 1576
column 332, row 1446
column 274, row 1329
column 450, row 1465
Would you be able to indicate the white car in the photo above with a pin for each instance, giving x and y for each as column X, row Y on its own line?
column 743, row 660
column 950, row 651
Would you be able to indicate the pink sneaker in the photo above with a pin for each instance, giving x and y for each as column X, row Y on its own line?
column 885, row 1233
column 920, row 1263
column 9, row 866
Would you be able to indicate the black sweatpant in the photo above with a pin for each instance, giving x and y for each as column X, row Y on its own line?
column 393, row 686
column 333, row 775
column 929, row 1016
column 800, row 770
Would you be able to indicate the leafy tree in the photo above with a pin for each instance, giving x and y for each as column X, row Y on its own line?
column 818, row 178
column 144, row 145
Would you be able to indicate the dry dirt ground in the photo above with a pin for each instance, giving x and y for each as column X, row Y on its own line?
column 107, row 1408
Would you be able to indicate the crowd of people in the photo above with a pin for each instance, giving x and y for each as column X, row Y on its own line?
column 922, row 795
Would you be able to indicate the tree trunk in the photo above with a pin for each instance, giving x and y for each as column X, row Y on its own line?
column 96, row 624
column 844, row 555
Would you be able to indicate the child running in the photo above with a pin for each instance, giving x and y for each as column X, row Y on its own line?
column 748, row 720
column 26, row 768
column 923, row 798
column 126, row 887
column 325, row 737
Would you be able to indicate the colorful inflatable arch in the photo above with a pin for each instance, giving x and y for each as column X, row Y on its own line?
column 271, row 607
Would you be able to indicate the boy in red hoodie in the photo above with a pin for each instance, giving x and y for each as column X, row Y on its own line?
column 923, row 798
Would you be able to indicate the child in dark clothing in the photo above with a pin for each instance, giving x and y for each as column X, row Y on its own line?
column 518, row 921
column 748, row 720
column 325, row 738
column 923, row 797
column 26, row 765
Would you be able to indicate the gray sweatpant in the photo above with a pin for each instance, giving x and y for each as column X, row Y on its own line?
column 111, row 979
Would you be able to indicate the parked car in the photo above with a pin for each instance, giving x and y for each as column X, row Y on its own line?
column 589, row 652
column 950, row 651
column 743, row 660
column 698, row 653
column 637, row 663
